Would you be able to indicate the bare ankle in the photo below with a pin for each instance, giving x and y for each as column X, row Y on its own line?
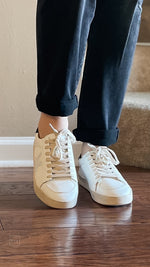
column 58, row 122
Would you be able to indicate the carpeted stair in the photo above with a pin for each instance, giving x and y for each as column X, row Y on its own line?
column 133, row 146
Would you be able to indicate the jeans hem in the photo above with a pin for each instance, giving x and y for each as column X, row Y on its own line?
column 56, row 107
column 96, row 136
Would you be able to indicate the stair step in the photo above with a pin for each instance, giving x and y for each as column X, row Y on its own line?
column 138, row 100
column 133, row 146
column 140, row 72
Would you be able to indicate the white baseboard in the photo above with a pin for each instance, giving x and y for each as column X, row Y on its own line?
column 18, row 151
column 143, row 44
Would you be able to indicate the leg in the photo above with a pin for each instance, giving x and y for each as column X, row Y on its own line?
column 62, row 31
column 111, row 44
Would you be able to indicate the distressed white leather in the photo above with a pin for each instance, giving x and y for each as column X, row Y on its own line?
column 54, row 167
column 98, row 174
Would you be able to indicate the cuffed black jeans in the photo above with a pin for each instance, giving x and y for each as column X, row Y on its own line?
column 110, row 30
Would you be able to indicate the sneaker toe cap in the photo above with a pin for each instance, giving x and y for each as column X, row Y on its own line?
column 61, row 191
column 114, row 188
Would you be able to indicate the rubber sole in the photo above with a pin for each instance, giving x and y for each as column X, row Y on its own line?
column 106, row 200
column 52, row 203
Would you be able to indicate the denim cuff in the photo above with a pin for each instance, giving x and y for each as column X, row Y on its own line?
column 96, row 136
column 56, row 107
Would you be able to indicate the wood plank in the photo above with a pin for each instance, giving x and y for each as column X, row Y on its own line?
column 16, row 174
column 16, row 181
column 75, row 260
column 74, row 218
column 106, row 245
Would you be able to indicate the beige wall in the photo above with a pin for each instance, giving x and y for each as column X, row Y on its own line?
column 18, row 113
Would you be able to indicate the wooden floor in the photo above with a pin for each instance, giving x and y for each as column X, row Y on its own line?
column 32, row 234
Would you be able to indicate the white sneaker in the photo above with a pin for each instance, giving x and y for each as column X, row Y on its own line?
column 101, row 178
column 55, row 179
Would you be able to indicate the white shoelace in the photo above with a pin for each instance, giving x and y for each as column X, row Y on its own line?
column 59, row 155
column 104, row 158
